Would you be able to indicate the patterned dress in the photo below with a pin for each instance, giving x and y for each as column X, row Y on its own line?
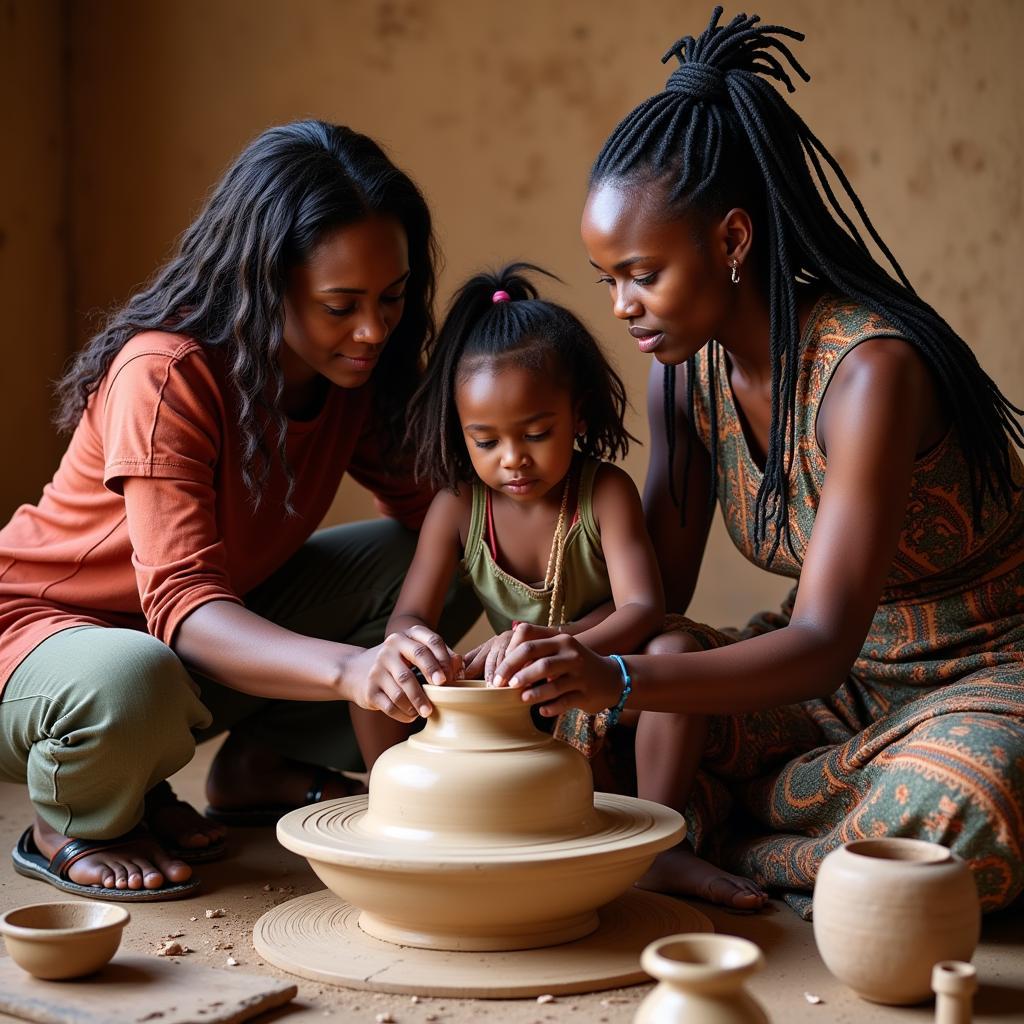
column 926, row 736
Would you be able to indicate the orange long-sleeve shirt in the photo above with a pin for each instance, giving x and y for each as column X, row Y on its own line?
column 164, row 412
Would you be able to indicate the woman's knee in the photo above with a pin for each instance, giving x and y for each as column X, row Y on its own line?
column 136, row 686
column 674, row 642
column 975, row 806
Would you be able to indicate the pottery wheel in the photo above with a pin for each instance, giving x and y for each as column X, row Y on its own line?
column 318, row 936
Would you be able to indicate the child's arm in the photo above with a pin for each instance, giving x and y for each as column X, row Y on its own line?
column 421, row 600
column 638, row 608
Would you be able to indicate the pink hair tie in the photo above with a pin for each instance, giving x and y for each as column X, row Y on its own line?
column 501, row 296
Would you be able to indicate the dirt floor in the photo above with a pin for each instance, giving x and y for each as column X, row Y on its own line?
column 258, row 874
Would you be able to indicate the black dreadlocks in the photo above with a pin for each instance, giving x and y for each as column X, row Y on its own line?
column 721, row 135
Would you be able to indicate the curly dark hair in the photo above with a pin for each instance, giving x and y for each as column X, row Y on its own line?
column 524, row 331
column 225, row 284
column 721, row 135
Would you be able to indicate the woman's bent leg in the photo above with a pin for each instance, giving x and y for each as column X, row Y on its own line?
column 946, row 765
column 92, row 719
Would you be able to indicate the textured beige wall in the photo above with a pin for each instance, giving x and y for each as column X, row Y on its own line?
column 34, row 271
column 497, row 109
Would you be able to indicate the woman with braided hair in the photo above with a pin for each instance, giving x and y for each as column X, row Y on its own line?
column 854, row 445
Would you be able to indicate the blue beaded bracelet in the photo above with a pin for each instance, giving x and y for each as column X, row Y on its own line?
column 627, row 689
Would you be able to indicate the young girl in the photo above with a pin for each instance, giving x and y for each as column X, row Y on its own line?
column 166, row 586
column 854, row 444
column 517, row 410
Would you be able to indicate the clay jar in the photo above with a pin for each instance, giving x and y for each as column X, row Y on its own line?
column 480, row 833
column 700, row 981
column 886, row 910
column 63, row 940
column 480, row 772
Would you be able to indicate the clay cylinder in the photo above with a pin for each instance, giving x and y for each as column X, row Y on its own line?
column 700, row 981
column 480, row 772
column 954, row 984
column 886, row 910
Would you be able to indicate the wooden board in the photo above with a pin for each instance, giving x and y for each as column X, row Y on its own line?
column 142, row 990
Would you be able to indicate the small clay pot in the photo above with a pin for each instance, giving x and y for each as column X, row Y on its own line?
column 700, row 981
column 63, row 940
column 886, row 910
column 954, row 984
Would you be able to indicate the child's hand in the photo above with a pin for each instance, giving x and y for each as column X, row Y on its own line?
column 489, row 655
column 480, row 661
column 558, row 672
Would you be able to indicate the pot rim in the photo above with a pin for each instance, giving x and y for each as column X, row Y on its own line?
column 713, row 957
column 900, row 850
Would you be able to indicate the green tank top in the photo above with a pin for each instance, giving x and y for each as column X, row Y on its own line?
column 585, row 577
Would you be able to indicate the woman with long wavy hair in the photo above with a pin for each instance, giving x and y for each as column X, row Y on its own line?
column 169, row 583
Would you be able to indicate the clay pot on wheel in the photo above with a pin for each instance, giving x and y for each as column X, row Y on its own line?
column 886, row 910
column 480, row 833
column 700, row 981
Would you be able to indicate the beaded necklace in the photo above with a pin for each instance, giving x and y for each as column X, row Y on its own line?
column 553, row 575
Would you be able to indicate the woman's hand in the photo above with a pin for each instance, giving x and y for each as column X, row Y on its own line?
column 558, row 672
column 383, row 677
column 489, row 655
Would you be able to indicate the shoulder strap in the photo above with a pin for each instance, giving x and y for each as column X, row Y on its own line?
column 585, row 500
column 477, row 522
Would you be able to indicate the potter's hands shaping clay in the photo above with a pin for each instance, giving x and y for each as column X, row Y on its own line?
column 482, row 661
column 382, row 678
column 559, row 673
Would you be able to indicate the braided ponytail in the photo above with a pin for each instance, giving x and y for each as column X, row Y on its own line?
column 721, row 135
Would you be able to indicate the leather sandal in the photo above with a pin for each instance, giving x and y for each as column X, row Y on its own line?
column 30, row 862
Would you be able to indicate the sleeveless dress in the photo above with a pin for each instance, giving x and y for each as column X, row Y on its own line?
column 926, row 736
column 585, row 576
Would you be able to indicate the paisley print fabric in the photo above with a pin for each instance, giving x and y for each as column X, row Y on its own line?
column 926, row 736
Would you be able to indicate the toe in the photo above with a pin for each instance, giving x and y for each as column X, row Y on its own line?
column 744, row 899
column 172, row 869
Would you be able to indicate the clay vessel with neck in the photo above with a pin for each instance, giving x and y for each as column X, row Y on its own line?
column 480, row 833
column 886, row 910
column 700, row 981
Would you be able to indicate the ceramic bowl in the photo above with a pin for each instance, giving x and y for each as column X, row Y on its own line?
column 63, row 940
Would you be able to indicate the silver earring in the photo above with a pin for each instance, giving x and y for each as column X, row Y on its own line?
column 735, row 275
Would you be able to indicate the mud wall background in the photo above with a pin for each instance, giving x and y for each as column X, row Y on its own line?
column 120, row 116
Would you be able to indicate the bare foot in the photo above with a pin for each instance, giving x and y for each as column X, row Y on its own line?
column 246, row 774
column 139, row 864
column 179, row 824
column 680, row 872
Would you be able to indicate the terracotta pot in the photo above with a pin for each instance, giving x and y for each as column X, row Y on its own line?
column 480, row 833
column 700, row 981
column 886, row 910
column 63, row 940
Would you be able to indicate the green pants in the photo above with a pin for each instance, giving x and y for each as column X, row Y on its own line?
column 93, row 718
